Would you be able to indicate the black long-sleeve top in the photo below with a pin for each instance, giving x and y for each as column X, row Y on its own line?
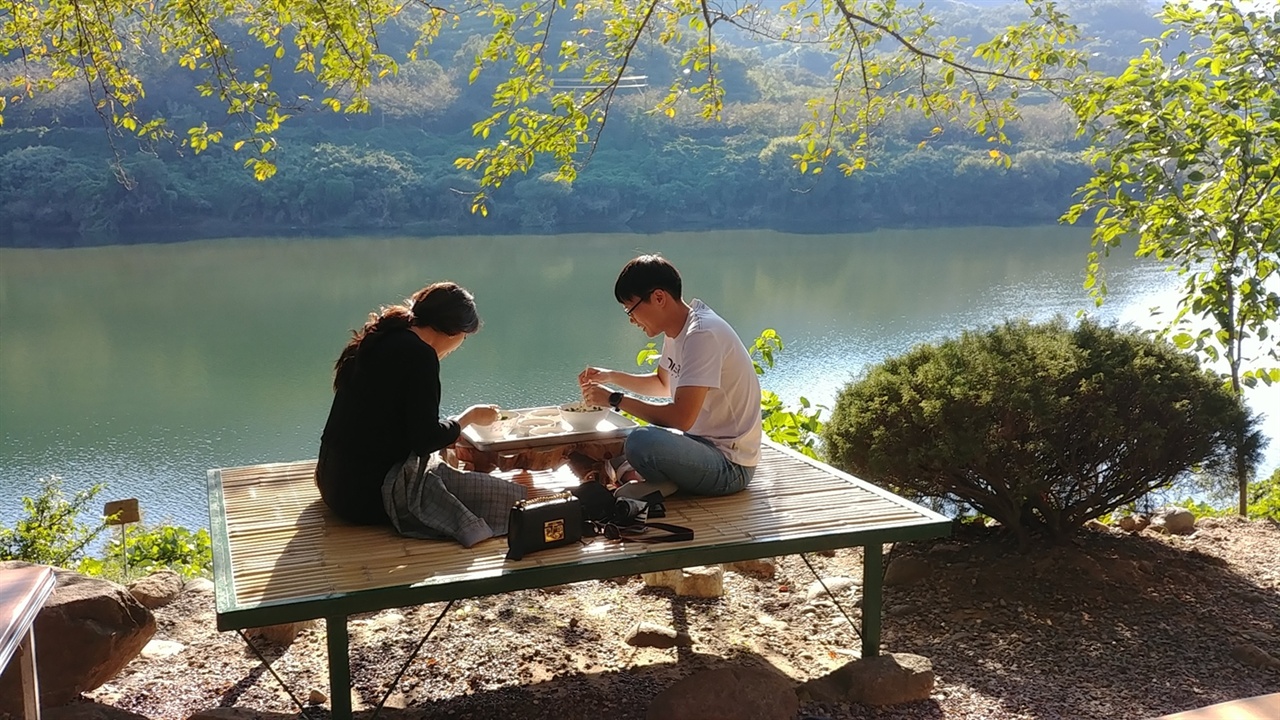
column 387, row 407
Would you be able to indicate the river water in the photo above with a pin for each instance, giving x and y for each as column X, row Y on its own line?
column 143, row 366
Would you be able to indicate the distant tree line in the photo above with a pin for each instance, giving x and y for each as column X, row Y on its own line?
column 53, row 194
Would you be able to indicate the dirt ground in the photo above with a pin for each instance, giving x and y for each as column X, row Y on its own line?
column 1108, row 626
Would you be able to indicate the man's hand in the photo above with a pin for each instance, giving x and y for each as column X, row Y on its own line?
column 595, row 394
column 595, row 375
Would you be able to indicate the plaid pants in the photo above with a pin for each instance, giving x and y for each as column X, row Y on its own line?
column 433, row 500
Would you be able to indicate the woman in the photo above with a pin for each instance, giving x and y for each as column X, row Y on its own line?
column 377, row 455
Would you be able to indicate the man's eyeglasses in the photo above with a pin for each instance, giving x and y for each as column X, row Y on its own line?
column 637, row 304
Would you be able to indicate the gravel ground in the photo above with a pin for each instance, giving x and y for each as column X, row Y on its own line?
column 1108, row 626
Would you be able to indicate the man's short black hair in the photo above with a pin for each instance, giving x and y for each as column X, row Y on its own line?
column 644, row 275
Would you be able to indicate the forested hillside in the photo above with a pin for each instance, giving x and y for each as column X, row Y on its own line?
column 64, row 179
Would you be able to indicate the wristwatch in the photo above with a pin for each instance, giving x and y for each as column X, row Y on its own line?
column 615, row 399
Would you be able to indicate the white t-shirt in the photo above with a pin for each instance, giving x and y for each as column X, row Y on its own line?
column 707, row 353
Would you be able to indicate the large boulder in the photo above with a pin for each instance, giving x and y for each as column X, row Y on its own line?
column 1174, row 520
column 882, row 680
column 87, row 631
column 731, row 693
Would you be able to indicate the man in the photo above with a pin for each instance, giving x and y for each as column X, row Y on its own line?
column 705, row 371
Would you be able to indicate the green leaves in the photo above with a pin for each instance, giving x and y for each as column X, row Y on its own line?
column 1185, row 152
column 555, row 95
column 50, row 531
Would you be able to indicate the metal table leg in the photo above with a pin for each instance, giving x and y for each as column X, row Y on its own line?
column 30, row 682
column 339, row 667
column 872, row 598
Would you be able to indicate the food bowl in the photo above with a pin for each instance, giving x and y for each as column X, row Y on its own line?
column 539, row 430
column 582, row 417
column 542, row 413
column 532, row 425
column 495, row 430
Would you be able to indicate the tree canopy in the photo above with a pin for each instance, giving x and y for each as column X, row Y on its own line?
column 557, row 64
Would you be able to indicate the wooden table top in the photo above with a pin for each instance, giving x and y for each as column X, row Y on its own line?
column 22, row 594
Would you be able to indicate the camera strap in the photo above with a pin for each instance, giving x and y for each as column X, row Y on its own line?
column 639, row 532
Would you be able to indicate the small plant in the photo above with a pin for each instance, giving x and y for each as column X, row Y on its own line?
column 1264, row 498
column 798, row 427
column 186, row 552
column 50, row 533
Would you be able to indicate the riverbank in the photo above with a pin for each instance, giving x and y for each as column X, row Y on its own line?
column 1110, row 625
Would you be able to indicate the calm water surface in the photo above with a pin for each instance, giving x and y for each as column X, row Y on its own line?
column 143, row 366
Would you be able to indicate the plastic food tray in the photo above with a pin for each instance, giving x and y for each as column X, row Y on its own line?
column 613, row 425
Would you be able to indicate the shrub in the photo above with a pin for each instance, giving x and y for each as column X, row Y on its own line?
column 50, row 533
column 1041, row 427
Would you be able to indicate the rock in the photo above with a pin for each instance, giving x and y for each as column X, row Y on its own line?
column 162, row 648
column 282, row 634
column 704, row 581
column 646, row 634
column 768, row 621
column 700, row 581
column 87, row 631
column 317, row 698
column 1208, row 522
column 662, row 578
column 905, row 571
column 730, row 693
column 1097, row 526
column 836, row 586
column 396, row 700
column 1248, row 654
column 384, row 621
column 88, row 711
column 763, row 568
column 904, row 609
column 157, row 589
column 1175, row 520
column 198, row 585
column 882, row 680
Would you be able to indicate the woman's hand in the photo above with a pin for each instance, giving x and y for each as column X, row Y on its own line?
column 479, row 415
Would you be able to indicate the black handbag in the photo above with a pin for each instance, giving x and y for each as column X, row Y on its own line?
column 543, row 523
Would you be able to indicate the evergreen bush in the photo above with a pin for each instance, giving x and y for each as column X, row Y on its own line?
column 1040, row 426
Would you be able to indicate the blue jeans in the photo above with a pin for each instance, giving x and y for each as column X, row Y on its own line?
column 671, row 462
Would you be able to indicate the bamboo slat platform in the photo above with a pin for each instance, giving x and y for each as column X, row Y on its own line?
column 281, row 556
